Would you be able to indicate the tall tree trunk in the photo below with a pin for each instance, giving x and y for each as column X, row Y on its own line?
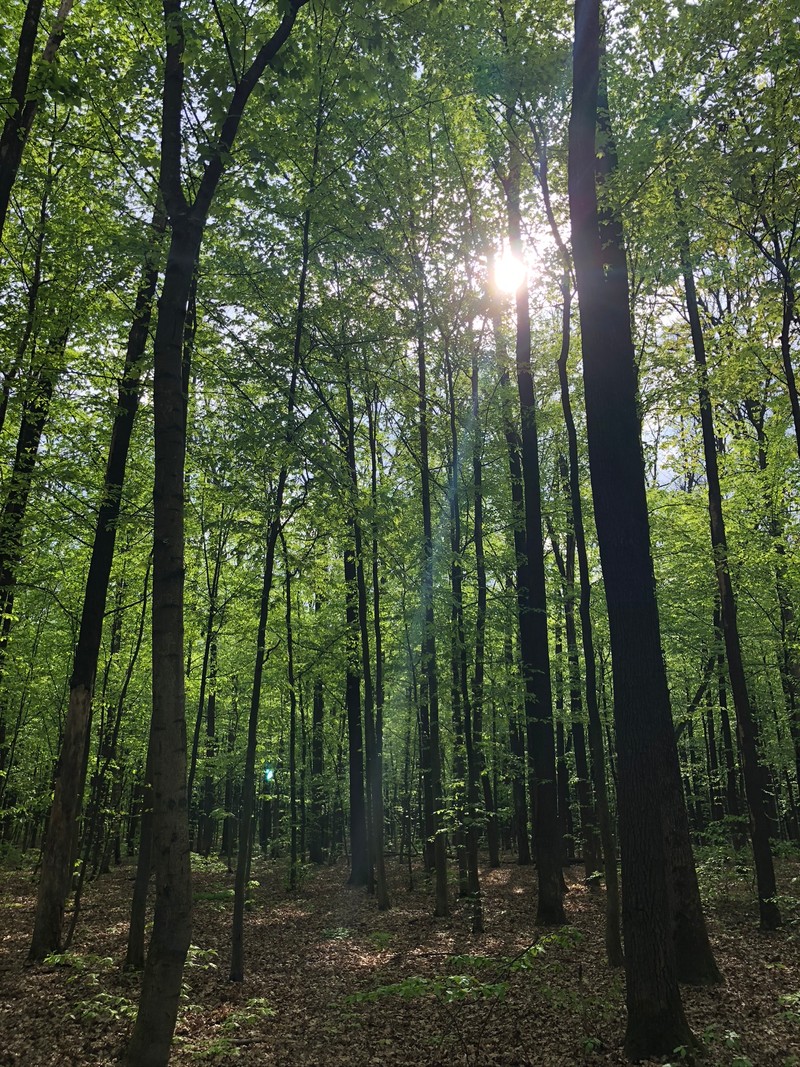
column 57, row 857
column 315, row 853
column 294, row 858
column 374, row 778
column 378, row 807
column 532, row 600
column 461, row 695
column 595, row 730
column 359, row 850
column 478, row 676
column 752, row 769
column 155, row 1022
column 511, row 434
column 645, row 739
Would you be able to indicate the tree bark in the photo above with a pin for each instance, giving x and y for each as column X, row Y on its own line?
column 429, row 702
column 57, row 858
column 645, row 740
column 532, row 601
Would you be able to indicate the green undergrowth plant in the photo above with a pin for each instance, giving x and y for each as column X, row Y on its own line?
column 84, row 966
column 224, row 1045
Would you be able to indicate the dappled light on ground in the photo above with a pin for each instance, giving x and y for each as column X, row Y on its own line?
column 329, row 979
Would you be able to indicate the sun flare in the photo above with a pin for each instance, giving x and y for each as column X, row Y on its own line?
column 509, row 272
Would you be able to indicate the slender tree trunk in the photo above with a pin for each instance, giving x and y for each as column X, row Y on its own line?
column 461, row 695
column 294, row 858
column 532, row 598
column 134, row 959
column 752, row 769
column 57, row 857
column 158, row 1006
column 429, row 703
column 478, row 676
column 359, row 851
column 378, row 806
column 315, row 852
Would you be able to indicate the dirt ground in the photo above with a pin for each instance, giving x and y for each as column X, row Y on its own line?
column 331, row 981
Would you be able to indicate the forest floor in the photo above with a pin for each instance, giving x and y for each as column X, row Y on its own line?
column 319, row 961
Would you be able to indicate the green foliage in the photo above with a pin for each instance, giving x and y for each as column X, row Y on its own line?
column 104, row 1007
column 255, row 1010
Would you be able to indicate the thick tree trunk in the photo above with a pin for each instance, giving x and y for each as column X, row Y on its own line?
column 645, row 739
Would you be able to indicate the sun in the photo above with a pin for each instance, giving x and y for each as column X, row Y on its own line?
column 509, row 272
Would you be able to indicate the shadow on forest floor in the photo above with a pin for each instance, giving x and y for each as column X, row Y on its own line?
column 330, row 980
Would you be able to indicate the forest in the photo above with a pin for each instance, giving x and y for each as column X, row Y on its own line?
column 399, row 515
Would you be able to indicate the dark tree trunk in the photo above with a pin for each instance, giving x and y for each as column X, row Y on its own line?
column 532, row 602
column 155, row 1022
column 315, row 852
column 359, row 852
column 134, row 959
column 752, row 769
column 429, row 704
column 645, row 739
column 57, row 858
column 478, row 676
column 461, row 699
column 294, row 857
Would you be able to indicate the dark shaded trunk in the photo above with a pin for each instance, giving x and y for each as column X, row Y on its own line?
column 315, row 851
column 359, row 851
column 645, row 741
column 294, row 856
column 595, row 728
column 158, row 1006
column 511, row 435
column 375, row 735
column 430, row 746
column 461, row 694
column 532, row 602
column 57, row 857
column 134, row 959
column 205, row 833
column 478, row 675
column 155, row 1022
